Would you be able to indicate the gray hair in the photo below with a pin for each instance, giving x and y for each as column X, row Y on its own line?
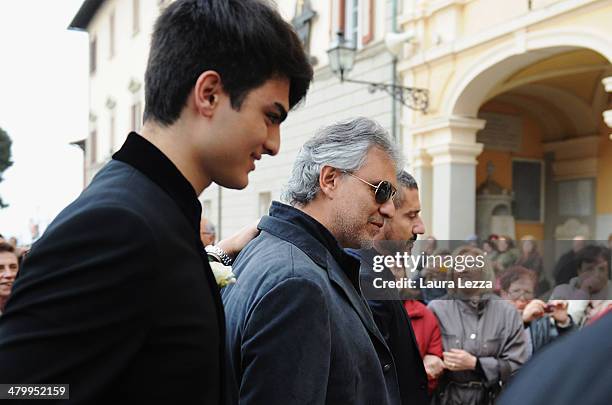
column 343, row 145
column 209, row 228
column 405, row 180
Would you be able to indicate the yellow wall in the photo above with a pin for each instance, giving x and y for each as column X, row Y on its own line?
column 531, row 148
column 524, row 229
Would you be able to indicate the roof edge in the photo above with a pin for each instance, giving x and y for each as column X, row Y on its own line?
column 85, row 14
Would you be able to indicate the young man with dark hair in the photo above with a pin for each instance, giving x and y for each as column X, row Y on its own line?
column 117, row 298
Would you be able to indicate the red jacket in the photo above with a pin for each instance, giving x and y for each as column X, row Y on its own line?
column 426, row 331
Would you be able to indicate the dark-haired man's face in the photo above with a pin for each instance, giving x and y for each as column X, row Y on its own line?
column 594, row 273
column 401, row 231
column 242, row 137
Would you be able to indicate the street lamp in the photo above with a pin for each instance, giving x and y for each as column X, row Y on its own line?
column 341, row 60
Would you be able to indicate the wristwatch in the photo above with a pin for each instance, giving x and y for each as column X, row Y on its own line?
column 217, row 253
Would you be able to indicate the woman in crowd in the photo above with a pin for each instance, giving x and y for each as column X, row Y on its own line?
column 543, row 322
column 508, row 254
column 435, row 274
column 530, row 258
column 428, row 337
column 489, row 246
column 483, row 338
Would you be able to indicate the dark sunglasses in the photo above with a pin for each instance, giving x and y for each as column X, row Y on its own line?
column 383, row 192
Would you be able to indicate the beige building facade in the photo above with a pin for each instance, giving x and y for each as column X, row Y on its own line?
column 521, row 87
column 515, row 139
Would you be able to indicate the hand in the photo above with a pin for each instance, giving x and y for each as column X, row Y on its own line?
column 398, row 272
column 235, row 243
column 434, row 366
column 560, row 313
column 534, row 310
column 459, row 360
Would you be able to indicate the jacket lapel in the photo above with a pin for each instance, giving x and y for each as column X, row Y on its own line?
column 342, row 282
column 287, row 230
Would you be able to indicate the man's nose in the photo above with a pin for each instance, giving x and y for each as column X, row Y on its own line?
column 387, row 209
column 272, row 145
column 419, row 227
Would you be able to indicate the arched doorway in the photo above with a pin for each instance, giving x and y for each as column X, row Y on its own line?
column 550, row 81
column 543, row 135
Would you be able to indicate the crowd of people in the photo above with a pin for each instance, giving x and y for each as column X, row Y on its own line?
column 483, row 336
column 472, row 342
column 120, row 298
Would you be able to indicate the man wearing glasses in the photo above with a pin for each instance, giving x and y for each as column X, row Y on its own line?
column 298, row 328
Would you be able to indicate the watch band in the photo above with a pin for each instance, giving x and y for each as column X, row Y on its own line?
column 218, row 253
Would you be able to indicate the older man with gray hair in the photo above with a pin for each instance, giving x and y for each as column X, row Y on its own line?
column 207, row 232
column 298, row 328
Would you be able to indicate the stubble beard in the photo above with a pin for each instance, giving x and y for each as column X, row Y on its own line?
column 349, row 234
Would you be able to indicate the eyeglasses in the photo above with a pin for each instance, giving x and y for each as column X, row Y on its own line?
column 383, row 192
column 519, row 293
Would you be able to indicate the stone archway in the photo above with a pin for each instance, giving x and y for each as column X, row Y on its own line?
column 571, row 125
column 445, row 149
column 471, row 90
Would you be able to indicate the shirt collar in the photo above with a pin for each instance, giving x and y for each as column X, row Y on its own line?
column 150, row 161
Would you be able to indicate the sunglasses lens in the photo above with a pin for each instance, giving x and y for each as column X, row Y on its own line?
column 383, row 193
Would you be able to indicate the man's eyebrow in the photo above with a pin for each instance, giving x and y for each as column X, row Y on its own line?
column 281, row 111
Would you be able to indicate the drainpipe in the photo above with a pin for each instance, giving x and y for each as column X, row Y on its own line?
column 219, row 209
column 394, row 73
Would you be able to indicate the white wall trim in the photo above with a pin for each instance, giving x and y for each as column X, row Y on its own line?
column 607, row 82
column 452, row 121
column 450, row 153
column 607, row 116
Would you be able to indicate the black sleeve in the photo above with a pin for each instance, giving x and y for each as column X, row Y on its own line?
column 82, row 305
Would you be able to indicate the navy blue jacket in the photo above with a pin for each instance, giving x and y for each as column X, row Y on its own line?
column 298, row 330
column 572, row 370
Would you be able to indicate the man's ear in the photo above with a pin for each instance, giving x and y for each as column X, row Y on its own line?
column 207, row 93
column 329, row 179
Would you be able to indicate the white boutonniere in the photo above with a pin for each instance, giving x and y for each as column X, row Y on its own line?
column 223, row 274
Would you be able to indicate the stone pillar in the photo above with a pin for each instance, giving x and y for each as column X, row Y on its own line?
column 451, row 144
column 422, row 171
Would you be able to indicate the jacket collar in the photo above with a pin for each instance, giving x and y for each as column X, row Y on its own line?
column 312, row 238
column 147, row 159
